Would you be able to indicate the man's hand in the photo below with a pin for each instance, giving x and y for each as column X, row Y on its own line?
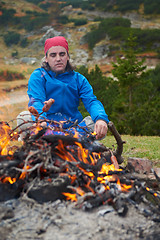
column 101, row 129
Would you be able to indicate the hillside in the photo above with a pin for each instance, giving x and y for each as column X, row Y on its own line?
column 37, row 20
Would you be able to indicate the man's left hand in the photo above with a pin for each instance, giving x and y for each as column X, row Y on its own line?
column 101, row 129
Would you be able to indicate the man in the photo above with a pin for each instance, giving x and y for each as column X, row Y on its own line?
column 57, row 80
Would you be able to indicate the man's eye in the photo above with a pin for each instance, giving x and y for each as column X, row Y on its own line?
column 53, row 55
column 62, row 54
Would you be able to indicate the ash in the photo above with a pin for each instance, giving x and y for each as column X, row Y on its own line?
column 24, row 219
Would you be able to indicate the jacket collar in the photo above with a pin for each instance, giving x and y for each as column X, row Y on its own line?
column 53, row 74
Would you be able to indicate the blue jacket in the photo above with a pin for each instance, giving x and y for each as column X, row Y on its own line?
column 66, row 89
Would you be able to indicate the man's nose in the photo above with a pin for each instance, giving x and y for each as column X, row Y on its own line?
column 58, row 57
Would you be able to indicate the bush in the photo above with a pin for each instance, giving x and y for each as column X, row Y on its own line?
column 24, row 42
column 114, row 27
column 34, row 21
column 15, row 53
column 63, row 19
column 11, row 38
column 79, row 22
column 6, row 75
column 7, row 16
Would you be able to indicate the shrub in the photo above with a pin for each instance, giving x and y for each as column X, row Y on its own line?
column 7, row 16
column 24, row 42
column 111, row 26
column 6, row 75
column 79, row 22
column 15, row 53
column 63, row 19
column 11, row 38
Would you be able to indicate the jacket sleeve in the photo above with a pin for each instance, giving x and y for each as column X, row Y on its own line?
column 90, row 101
column 36, row 91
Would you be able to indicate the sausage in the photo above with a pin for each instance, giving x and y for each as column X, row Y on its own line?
column 33, row 111
column 48, row 104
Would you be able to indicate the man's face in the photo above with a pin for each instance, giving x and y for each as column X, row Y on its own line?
column 57, row 58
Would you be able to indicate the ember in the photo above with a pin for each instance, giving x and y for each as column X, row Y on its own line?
column 66, row 165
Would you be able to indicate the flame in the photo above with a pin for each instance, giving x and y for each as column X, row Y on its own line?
column 73, row 196
column 63, row 153
column 82, row 153
column 106, row 168
column 8, row 179
column 70, row 196
column 37, row 128
column 80, row 191
column 105, row 171
column 73, row 178
column 24, row 173
column 125, row 187
column 89, row 174
column 4, row 138
column 94, row 133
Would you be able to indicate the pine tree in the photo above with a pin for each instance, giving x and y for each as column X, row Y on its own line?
column 134, row 88
column 129, row 71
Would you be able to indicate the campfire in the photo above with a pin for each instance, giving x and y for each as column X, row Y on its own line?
column 55, row 163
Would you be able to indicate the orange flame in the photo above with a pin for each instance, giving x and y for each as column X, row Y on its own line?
column 8, row 179
column 4, row 138
column 70, row 196
column 23, row 174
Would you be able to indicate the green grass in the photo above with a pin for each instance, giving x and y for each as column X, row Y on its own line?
column 138, row 146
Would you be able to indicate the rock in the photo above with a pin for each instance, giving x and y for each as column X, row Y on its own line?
column 51, row 32
column 100, row 51
column 83, row 40
column 28, row 60
column 80, row 59
column 139, row 165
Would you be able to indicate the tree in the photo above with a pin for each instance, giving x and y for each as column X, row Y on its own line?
column 99, row 83
column 129, row 71
column 135, row 111
column 134, row 89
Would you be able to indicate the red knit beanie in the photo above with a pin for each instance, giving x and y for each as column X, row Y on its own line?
column 55, row 41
